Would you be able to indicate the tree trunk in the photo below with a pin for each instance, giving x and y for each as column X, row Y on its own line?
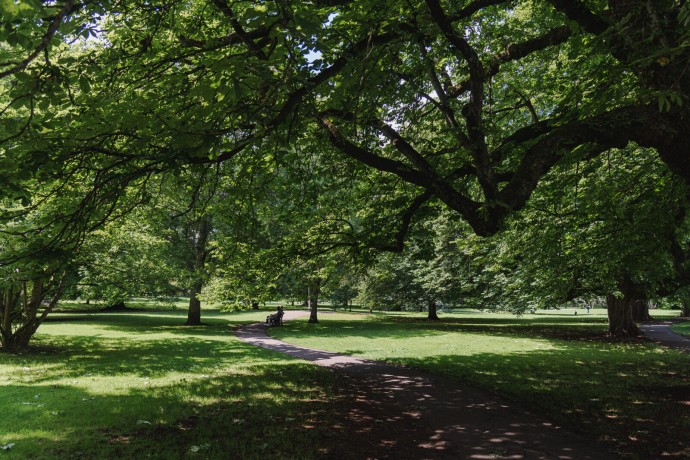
column 685, row 310
column 313, row 302
column 621, row 322
column 194, row 310
column 433, row 316
column 640, row 310
column 19, row 313
column 200, row 253
column 117, row 306
column 255, row 305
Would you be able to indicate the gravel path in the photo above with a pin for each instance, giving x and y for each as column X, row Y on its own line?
column 432, row 417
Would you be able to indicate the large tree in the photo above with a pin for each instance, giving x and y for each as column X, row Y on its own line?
column 605, row 228
column 473, row 102
column 469, row 103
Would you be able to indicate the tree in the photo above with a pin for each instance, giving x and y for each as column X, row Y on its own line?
column 602, row 228
column 471, row 118
column 469, row 104
column 128, row 259
column 431, row 271
column 25, row 301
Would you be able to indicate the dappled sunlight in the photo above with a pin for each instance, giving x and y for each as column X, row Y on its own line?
column 169, row 382
column 609, row 389
column 111, row 384
column 572, row 385
column 86, row 356
column 91, row 396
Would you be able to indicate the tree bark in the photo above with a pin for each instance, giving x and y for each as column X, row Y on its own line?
column 624, row 312
column 313, row 301
column 19, row 313
column 640, row 310
column 685, row 310
column 200, row 253
column 433, row 316
column 621, row 322
column 194, row 310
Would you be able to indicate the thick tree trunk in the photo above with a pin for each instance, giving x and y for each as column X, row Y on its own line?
column 623, row 312
column 200, row 253
column 20, row 314
column 685, row 309
column 194, row 310
column 117, row 306
column 621, row 322
column 640, row 310
column 432, row 311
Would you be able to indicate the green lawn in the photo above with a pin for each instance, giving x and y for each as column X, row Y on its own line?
column 140, row 385
column 682, row 328
column 633, row 396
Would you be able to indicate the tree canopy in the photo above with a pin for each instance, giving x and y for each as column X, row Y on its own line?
column 363, row 115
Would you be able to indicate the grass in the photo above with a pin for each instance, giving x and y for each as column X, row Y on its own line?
column 137, row 384
column 140, row 385
column 682, row 328
column 633, row 396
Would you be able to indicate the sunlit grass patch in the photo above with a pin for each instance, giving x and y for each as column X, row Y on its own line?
column 141, row 385
column 629, row 394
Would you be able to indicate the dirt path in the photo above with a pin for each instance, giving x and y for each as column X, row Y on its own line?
column 660, row 332
column 405, row 413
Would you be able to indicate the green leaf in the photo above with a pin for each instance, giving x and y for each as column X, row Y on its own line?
column 84, row 84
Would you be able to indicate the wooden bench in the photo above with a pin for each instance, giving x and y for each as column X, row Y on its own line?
column 276, row 319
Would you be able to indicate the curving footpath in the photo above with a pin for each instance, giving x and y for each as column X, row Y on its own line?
column 661, row 333
column 438, row 418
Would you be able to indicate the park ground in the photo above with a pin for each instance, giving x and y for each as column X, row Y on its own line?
column 139, row 385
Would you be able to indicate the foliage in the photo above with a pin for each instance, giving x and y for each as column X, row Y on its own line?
column 586, row 227
column 376, row 112
column 126, row 259
column 431, row 94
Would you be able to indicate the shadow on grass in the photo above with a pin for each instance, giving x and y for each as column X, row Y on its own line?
column 276, row 411
column 633, row 399
column 406, row 327
column 631, row 395
column 149, row 358
column 194, row 393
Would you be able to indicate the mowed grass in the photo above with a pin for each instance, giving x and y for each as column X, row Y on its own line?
column 140, row 385
column 682, row 328
column 632, row 396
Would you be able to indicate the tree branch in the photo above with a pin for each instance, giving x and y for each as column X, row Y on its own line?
column 578, row 12
column 239, row 30
column 68, row 8
column 473, row 111
column 517, row 51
